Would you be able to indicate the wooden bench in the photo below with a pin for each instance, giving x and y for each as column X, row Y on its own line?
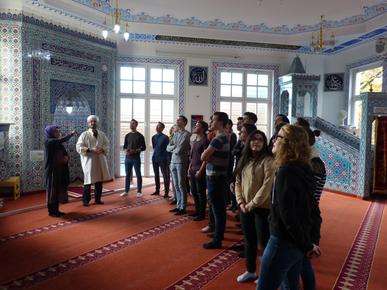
column 14, row 183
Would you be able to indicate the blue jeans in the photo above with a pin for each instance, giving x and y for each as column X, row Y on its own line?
column 129, row 164
column 307, row 274
column 163, row 165
column 217, row 190
column 179, row 176
column 281, row 259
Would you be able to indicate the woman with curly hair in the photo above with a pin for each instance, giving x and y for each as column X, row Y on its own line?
column 294, row 216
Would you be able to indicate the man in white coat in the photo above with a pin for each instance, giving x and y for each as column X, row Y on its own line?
column 93, row 145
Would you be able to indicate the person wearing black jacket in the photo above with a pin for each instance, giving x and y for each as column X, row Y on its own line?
column 56, row 169
column 294, row 216
column 134, row 143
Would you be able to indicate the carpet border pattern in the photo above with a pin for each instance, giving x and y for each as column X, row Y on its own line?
column 91, row 256
column 356, row 269
column 66, row 223
column 208, row 271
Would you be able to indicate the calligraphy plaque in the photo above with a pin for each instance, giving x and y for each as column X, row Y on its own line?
column 333, row 82
column 198, row 76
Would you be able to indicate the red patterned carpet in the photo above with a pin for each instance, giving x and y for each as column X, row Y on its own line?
column 136, row 243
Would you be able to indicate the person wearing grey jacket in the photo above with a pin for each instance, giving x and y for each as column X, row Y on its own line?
column 179, row 146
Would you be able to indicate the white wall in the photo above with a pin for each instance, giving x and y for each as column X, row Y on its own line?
column 198, row 99
column 333, row 102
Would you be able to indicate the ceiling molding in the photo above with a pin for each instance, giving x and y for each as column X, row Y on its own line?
column 52, row 26
column 105, row 7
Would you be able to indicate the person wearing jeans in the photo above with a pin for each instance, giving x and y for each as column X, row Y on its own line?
column 133, row 145
column 179, row 147
column 160, row 159
column 294, row 214
column 216, row 156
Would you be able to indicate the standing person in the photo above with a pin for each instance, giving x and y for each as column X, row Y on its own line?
column 318, row 168
column 249, row 118
column 237, row 149
column 171, row 133
column 254, row 180
column 93, row 146
column 216, row 156
column 236, row 152
column 179, row 147
column 211, row 219
column 239, row 123
column 56, row 169
column 279, row 121
column 160, row 159
column 197, row 170
column 230, row 197
column 292, row 213
column 133, row 145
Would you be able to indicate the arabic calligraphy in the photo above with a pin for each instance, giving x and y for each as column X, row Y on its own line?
column 198, row 75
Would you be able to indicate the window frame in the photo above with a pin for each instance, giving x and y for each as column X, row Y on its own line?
column 244, row 99
column 352, row 97
column 147, row 96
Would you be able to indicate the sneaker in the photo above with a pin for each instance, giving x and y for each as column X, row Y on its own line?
column 207, row 229
column 156, row 193
column 246, row 276
column 124, row 194
column 139, row 194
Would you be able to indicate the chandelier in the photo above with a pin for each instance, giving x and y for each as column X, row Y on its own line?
column 116, row 19
column 319, row 40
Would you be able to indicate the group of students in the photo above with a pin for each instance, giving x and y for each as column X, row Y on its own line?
column 275, row 185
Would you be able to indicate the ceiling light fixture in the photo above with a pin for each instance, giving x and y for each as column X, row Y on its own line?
column 116, row 18
column 318, row 41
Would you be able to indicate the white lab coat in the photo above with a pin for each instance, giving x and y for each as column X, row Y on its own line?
column 95, row 166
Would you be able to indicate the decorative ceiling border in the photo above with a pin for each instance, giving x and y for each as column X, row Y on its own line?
column 215, row 43
column 357, row 40
column 140, row 37
column 104, row 6
column 32, row 20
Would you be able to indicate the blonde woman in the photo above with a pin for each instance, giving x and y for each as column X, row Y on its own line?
column 254, row 180
column 294, row 214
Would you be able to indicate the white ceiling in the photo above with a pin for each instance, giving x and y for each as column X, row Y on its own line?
column 271, row 12
column 269, row 21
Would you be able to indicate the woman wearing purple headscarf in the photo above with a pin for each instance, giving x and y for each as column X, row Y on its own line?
column 56, row 169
